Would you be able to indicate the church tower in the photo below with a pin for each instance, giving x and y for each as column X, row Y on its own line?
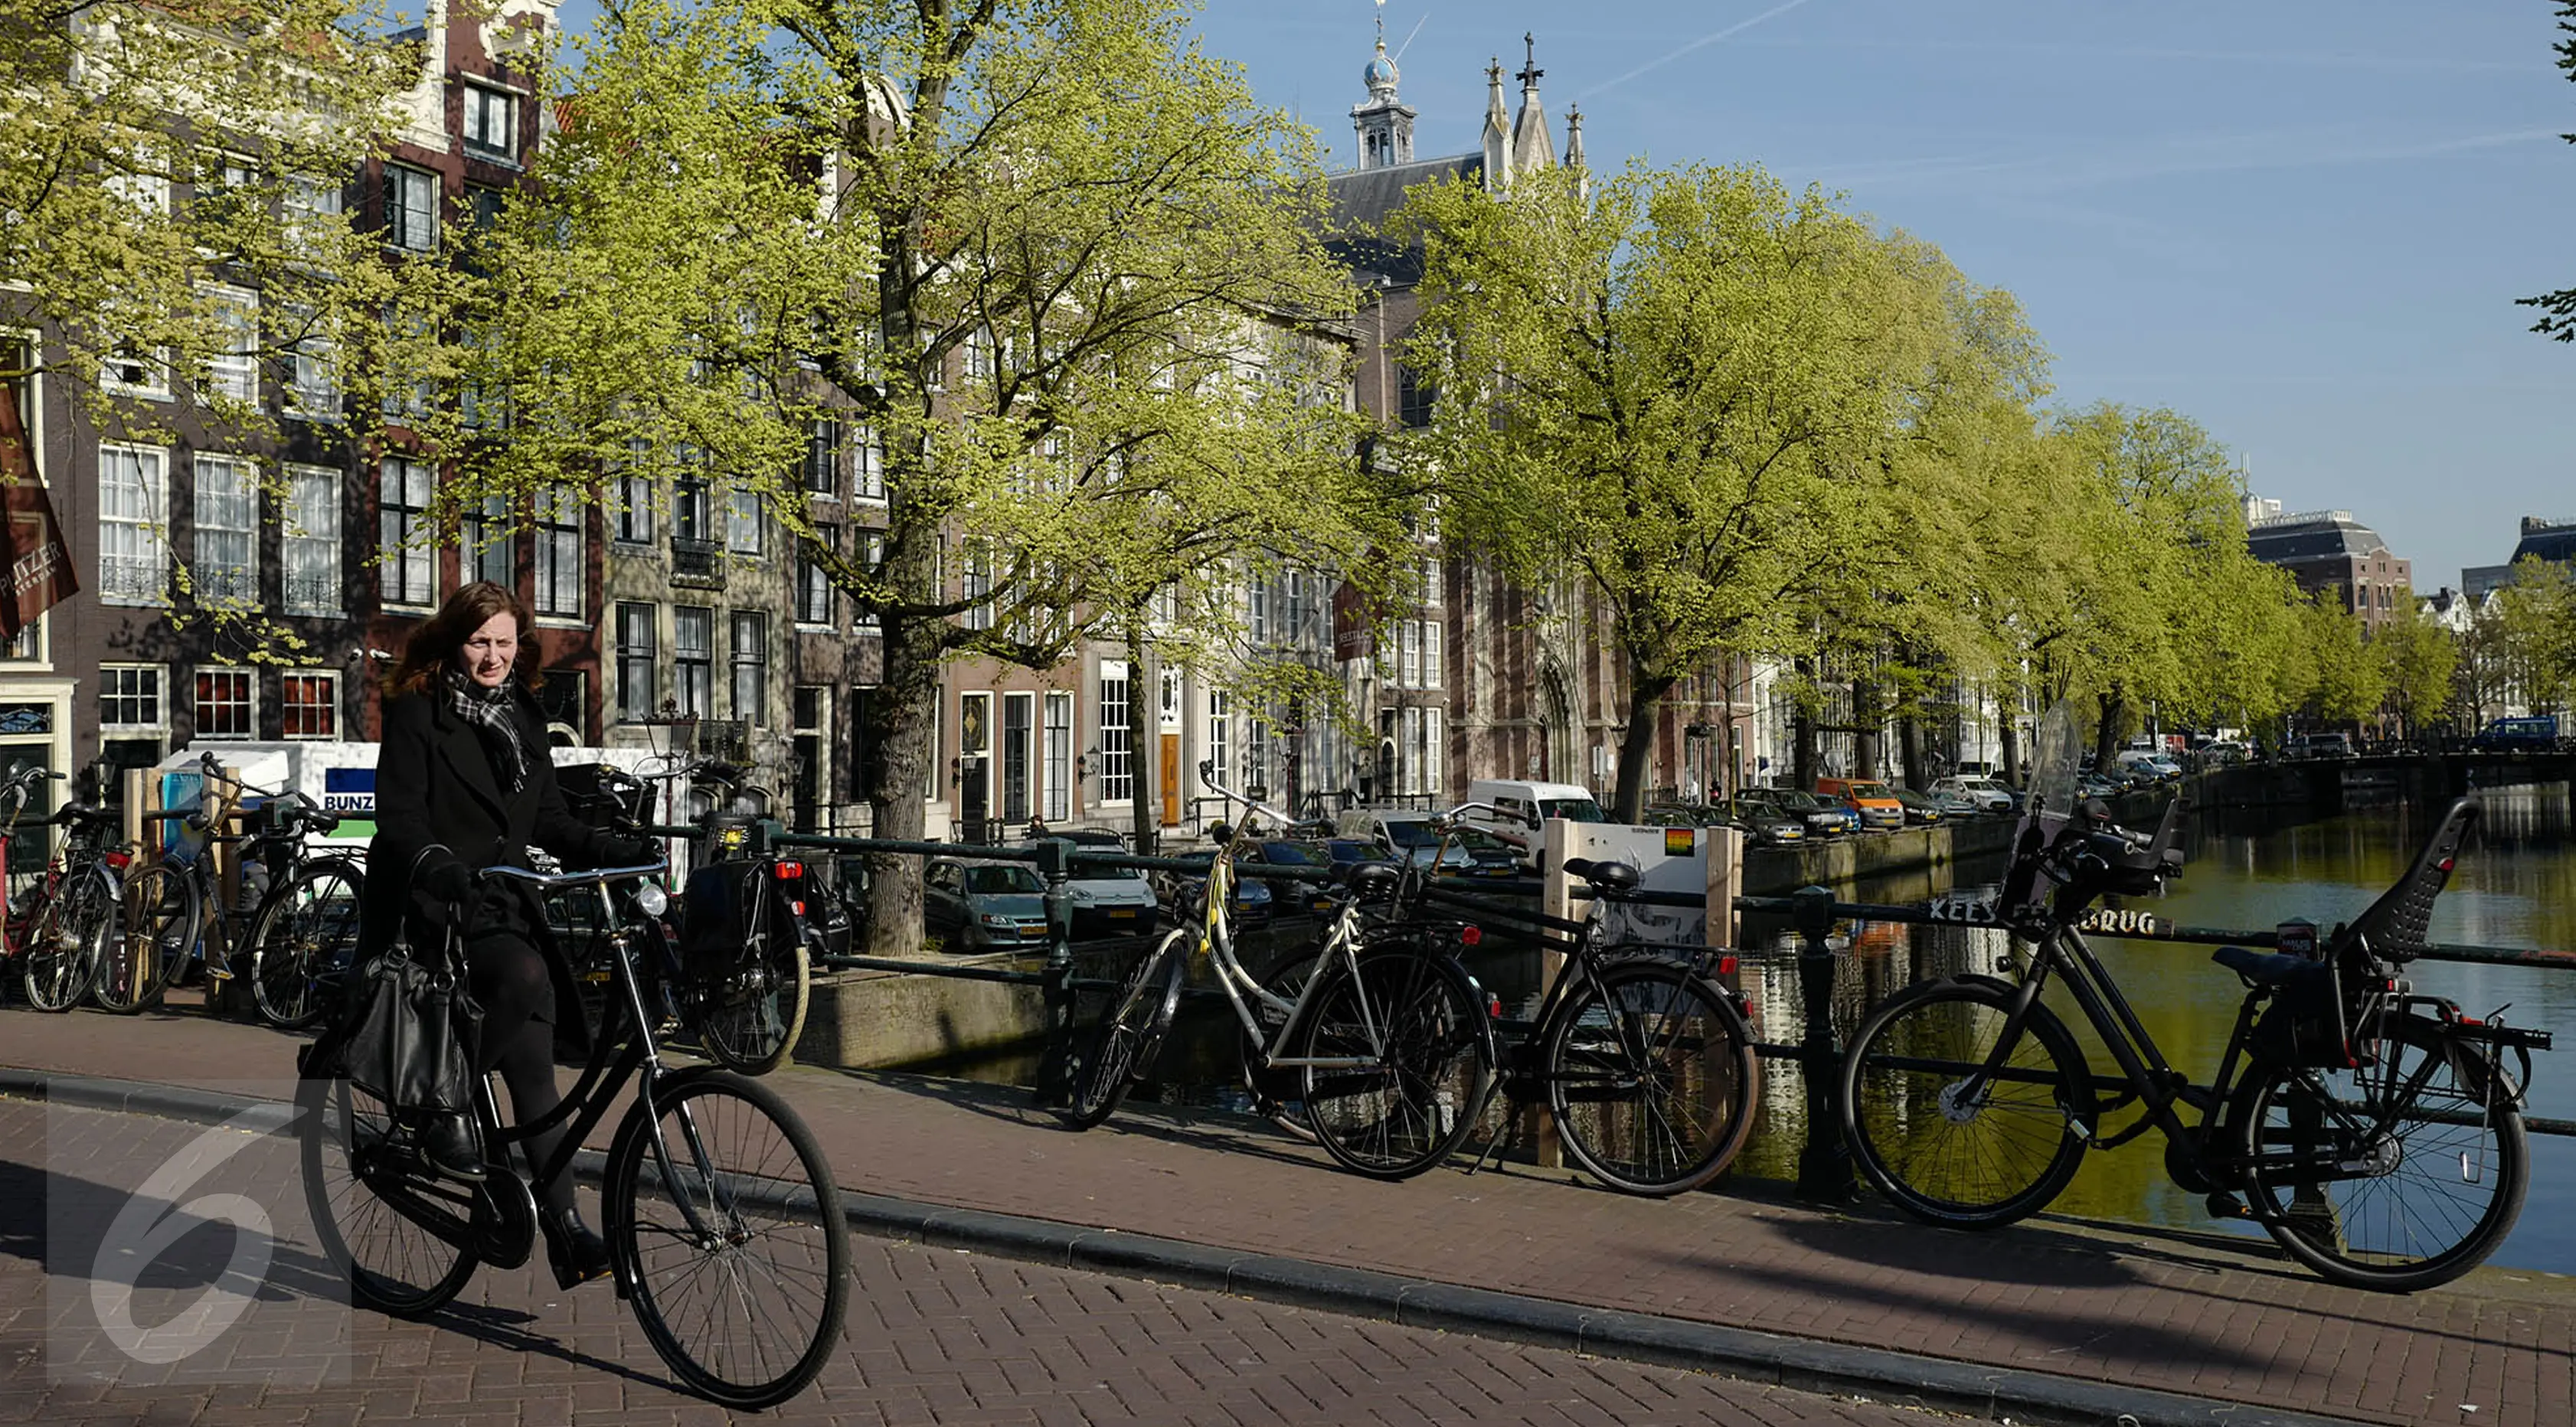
column 1532, row 149
column 1498, row 133
column 1384, row 123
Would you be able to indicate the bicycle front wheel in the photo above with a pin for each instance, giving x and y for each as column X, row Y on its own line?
column 68, row 942
column 354, row 1175
column 750, row 1018
column 1419, row 1053
column 301, row 951
column 1651, row 1077
column 729, row 1238
column 1130, row 1034
column 1949, row 1132
column 2398, row 1175
column 155, row 903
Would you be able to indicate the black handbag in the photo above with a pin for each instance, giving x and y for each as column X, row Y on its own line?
column 413, row 1041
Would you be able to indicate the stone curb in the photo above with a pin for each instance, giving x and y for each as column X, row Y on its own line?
column 1939, row 1384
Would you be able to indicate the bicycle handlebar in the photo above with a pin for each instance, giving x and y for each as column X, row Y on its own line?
column 1207, row 779
column 549, row 881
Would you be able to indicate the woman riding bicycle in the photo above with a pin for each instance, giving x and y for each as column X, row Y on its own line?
column 463, row 782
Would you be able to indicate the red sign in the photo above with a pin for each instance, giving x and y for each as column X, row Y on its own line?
column 1351, row 636
column 40, row 564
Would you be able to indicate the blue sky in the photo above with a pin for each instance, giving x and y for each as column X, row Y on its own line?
column 2302, row 223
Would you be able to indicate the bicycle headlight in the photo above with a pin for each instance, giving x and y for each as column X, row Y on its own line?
column 651, row 900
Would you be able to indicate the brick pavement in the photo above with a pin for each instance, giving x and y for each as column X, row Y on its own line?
column 934, row 1336
column 2188, row 1314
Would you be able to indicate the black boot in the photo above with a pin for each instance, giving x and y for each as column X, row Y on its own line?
column 448, row 1144
column 576, row 1254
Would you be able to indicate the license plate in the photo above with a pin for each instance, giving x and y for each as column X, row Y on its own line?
column 1122, row 911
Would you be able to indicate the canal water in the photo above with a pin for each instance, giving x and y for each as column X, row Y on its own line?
column 2515, row 886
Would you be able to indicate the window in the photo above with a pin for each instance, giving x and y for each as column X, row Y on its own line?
column 634, row 662
column 309, row 704
column 1117, row 774
column 129, row 698
column 312, row 373
column 233, row 371
column 148, row 194
column 867, row 476
column 1059, row 757
column 411, row 208
column 133, row 564
column 1415, row 396
column 224, row 707
column 689, row 512
column 1257, row 607
column 491, row 129
column 485, row 537
column 1295, row 600
column 822, row 474
column 1419, row 753
column 311, row 543
column 871, row 555
column 979, row 355
column 313, row 208
column 975, row 585
column 745, row 515
column 559, row 561
column 813, row 582
column 131, row 371
column 1220, row 740
column 227, row 525
column 693, row 659
column 751, row 667
column 635, row 510
column 409, row 568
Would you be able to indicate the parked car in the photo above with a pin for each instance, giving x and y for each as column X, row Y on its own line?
column 1921, row 809
column 983, row 906
column 1349, row 851
column 1986, row 794
column 1524, row 804
column 1877, row 804
column 1823, row 818
column 1107, row 901
column 1298, row 894
column 1764, row 824
column 1253, row 901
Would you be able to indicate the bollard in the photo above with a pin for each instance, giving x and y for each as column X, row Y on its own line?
column 1824, row 1166
column 1055, row 1079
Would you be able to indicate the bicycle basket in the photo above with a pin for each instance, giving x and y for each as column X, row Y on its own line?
column 600, row 796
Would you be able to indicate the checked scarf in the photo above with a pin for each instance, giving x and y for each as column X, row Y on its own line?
column 489, row 711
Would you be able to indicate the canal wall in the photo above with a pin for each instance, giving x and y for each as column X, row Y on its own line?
column 1775, row 871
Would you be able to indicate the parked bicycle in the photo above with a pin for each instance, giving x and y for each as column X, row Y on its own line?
column 2373, row 1131
column 1389, row 1039
column 66, row 931
column 738, row 977
column 294, row 925
column 723, row 1219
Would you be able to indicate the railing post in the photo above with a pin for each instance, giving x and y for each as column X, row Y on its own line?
column 1824, row 1166
column 1054, row 1084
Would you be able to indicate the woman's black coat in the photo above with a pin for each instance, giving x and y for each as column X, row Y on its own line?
column 435, row 785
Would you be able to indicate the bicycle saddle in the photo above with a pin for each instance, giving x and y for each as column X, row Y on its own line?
column 1370, row 879
column 2264, row 968
column 1604, row 876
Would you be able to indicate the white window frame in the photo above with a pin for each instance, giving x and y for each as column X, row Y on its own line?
column 871, row 554
column 249, row 701
column 814, row 590
column 700, row 657
column 233, row 371
column 285, row 705
column 146, row 378
column 559, row 557
column 636, row 618
column 1220, row 736
column 225, row 492
column 484, row 139
column 1117, row 736
column 1055, row 791
column 749, row 660
column 746, row 522
column 313, row 581
column 133, row 527
column 867, row 466
column 109, row 676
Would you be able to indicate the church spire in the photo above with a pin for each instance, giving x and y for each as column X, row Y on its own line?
column 1532, row 149
column 1498, row 131
column 1383, row 123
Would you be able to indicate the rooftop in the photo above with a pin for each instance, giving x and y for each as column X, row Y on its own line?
column 2311, row 535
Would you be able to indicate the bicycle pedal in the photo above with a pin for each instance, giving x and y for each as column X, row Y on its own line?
column 2224, row 1205
column 219, row 973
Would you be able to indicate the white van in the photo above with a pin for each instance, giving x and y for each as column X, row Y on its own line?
column 1524, row 804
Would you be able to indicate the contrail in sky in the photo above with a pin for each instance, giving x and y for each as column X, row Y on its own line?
column 1702, row 42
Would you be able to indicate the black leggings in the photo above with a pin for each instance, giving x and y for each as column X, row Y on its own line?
column 509, row 978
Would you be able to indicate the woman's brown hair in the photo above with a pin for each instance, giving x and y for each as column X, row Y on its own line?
column 434, row 645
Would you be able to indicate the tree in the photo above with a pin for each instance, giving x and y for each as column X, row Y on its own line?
column 1690, row 388
column 2350, row 681
column 1052, row 255
column 2536, row 630
column 2419, row 657
column 2558, row 309
column 173, row 173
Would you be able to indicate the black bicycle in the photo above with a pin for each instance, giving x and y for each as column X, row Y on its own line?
column 2374, row 1132
column 724, row 1223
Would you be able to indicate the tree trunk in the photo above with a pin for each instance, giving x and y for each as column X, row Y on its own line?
column 2106, row 737
column 904, row 725
column 1637, row 741
column 1909, row 743
column 1868, row 721
column 1144, row 738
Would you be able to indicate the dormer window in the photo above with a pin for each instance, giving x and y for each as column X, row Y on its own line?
column 491, row 124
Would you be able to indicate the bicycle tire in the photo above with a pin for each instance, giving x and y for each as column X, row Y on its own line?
column 757, row 1033
column 1977, row 1167
column 663, row 1265
column 66, row 941
column 2438, row 1195
column 1417, row 1013
column 394, row 1263
column 1651, row 1078
column 135, row 968
column 1275, row 1094
column 1130, row 1034
column 304, row 942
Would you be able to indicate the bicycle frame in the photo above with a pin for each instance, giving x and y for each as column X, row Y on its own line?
column 1216, row 943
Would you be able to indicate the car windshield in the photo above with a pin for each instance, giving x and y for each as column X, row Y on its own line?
column 1296, row 854
column 1475, row 841
column 1573, row 810
column 1411, row 834
column 1010, row 877
column 1872, row 790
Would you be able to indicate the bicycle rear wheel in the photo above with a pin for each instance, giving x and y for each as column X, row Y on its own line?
column 1415, row 1024
column 353, row 1176
column 301, row 949
column 732, row 1248
column 750, row 1018
column 1651, row 1078
column 2395, row 1176
column 1947, row 1153
column 67, row 942
column 1130, row 1034
column 135, row 965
